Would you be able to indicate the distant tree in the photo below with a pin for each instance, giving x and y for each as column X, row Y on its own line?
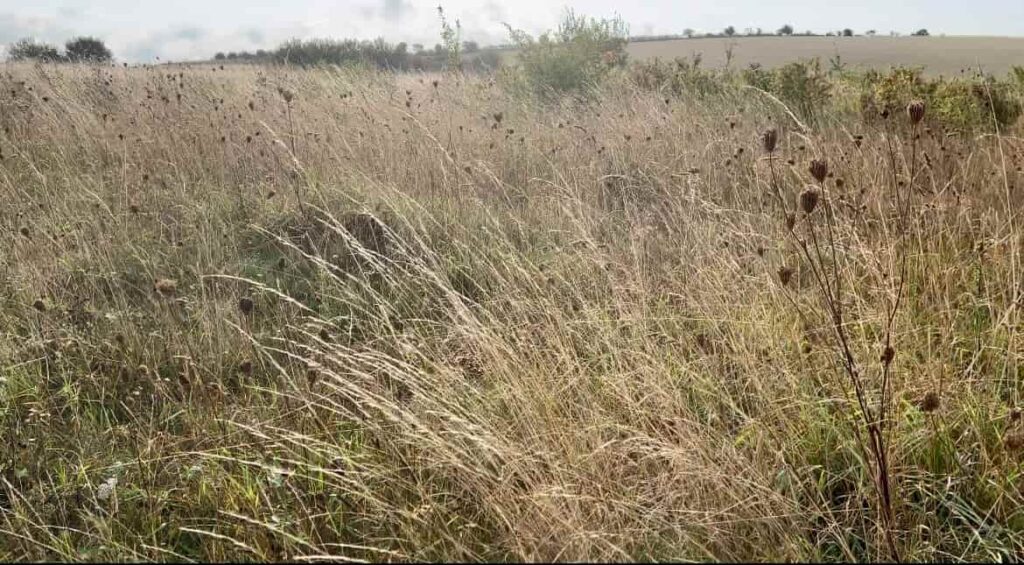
column 87, row 50
column 219, row 56
column 438, row 49
column 847, row 32
column 27, row 49
column 921, row 32
column 829, row 34
column 470, row 46
column 688, row 32
column 786, row 30
column 870, row 33
column 729, row 31
column 759, row 32
column 417, row 48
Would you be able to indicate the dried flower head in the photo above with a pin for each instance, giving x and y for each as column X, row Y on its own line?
column 785, row 275
column 809, row 199
column 39, row 305
column 770, row 139
column 246, row 305
column 929, row 402
column 915, row 110
column 888, row 355
column 245, row 367
column 166, row 287
column 286, row 94
column 1014, row 441
column 819, row 170
column 24, row 231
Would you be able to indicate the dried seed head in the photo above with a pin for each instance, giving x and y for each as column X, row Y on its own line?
column 39, row 305
column 769, row 139
column 809, row 199
column 790, row 221
column 819, row 170
column 24, row 231
column 246, row 305
column 166, row 287
column 785, row 275
column 888, row 355
column 915, row 110
column 930, row 402
column 245, row 367
column 325, row 335
column 286, row 94
column 1015, row 414
column 1014, row 441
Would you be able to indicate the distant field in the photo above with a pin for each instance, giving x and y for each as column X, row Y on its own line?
column 939, row 55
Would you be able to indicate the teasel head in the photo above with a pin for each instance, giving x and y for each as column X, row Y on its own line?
column 819, row 170
column 809, row 199
column 915, row 110
column 769, row 140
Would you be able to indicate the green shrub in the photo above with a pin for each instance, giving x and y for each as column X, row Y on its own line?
column 891, row 92
column 964, row 104
column 802, row 86
column 574, row 58
column 681, row 76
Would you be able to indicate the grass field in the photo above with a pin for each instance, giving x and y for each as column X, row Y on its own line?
column 947, row 56
column 267, row 313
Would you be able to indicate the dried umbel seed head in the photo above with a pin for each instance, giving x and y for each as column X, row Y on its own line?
column 39, row 305
column 1014, row 441
column 819, row 170
column 286, row 94
column 915, row 110
column 809, row 199
column 24, row 231
column 166, row 287
column 888, row 355
column 930, row 402
column 769, row 140
column 325, row 335
column 245, row 367
column 785, row 275
column 246, row 305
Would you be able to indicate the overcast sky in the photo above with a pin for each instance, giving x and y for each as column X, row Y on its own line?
column 140, row 30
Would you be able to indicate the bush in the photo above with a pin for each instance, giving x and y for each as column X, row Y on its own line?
column 28, row 49
column 960, row 104
column 378, row 53
column 87, row 50
column 802, row 86
column 577, row 56
column 682, row 76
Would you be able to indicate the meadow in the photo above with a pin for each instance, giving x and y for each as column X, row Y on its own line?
column 265, row 313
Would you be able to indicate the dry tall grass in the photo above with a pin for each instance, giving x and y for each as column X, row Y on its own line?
column 409, row 317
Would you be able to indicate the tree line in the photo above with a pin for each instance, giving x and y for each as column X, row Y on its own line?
column 77, row 50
